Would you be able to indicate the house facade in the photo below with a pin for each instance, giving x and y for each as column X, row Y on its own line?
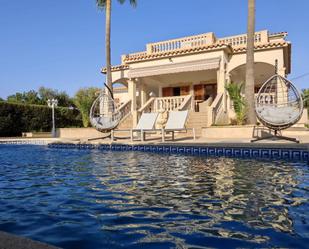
column 191, row 73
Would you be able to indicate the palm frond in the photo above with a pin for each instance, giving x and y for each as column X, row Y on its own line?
column 101, row 4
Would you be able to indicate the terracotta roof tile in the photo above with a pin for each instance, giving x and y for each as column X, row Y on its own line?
column 116, row 68
column 262, row 46
column 145, row 56
column 130, row 59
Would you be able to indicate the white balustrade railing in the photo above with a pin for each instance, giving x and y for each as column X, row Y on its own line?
column 266, row 98
column 198, row 41
column 217, row 107
column 241, row 40
column 125, row 109
column 186, row 42
column 167, row 104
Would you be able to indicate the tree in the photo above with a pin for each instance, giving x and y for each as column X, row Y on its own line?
column 48, row 93
column 106, row 4
column 83, row 100
column 30, row 97
column 249, row 85
column 305, row 95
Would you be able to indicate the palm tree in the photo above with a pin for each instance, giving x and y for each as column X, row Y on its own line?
column 249, row 86
column 106, row 5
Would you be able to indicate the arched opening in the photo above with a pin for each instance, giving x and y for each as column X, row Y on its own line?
column 120, row 91
column 262, row 72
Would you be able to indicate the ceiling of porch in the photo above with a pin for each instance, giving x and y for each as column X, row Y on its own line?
column 206, row 76
column 262, row 72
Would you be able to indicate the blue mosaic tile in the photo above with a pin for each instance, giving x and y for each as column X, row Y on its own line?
column 220, row 152
column 181, row 150
column 305, row 155
column 256, row 152
column 204, row 151
column 228, row 152
column 196, row 150
column 246, row 152
column 265, row 153
column 188, row 150
column 167, row 149
column 275, row 153
column 147, row 148
column 160, row 148
column 211, row 151
column 141, row 148
column 294, row 154
column 174, row 149
column 285, row 154
column 237, row 152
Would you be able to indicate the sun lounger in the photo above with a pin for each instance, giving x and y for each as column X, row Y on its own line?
column 176, row 122
column 146, row 123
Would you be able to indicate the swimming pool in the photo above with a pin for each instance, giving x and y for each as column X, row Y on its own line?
column 107, row 199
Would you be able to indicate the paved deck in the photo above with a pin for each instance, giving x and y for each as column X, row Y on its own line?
column 156, row 140
column 9, row 241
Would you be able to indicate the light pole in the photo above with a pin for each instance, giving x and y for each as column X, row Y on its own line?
column 53, row 103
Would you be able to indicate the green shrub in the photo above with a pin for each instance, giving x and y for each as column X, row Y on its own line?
column 18, row 118
column 239, row 103
column 83, row 100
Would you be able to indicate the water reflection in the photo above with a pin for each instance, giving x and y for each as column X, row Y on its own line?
column 195, row 195
column 93, row 199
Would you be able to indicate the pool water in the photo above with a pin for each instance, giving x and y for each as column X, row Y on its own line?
column 102, row 199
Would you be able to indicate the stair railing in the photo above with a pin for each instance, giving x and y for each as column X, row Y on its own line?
column 148, row 107
column 186, row 104
column 217, row 107
column 174, row 103
column 125, row 109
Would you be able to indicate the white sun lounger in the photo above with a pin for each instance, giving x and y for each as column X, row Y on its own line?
column 146, row 123
column 176, row 122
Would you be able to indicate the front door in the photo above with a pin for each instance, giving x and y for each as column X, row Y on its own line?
column 175, row 91
column 167, row 91
column 203, row 91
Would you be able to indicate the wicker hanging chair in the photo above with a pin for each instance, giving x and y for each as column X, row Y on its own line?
column 278, row 105
column 104, row 114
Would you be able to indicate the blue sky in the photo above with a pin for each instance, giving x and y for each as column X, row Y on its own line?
column 60, row 43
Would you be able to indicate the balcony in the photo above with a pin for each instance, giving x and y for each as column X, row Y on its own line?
column 203, row 40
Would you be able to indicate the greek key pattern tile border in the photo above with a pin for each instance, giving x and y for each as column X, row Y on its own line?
column 271, row 153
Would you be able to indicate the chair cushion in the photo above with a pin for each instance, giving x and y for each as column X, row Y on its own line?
column 278, row 115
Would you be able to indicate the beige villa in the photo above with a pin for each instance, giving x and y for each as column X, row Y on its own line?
column 191, row 73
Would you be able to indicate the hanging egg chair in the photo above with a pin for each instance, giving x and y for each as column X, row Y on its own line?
column 278, row 105
column 104, row 114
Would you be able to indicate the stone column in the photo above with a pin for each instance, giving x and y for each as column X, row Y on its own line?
column 221, row 80
column 143, row 94
column 192, row 94
column 221, row 77
column 282, row 90
column 160, row 91
column 132, row 95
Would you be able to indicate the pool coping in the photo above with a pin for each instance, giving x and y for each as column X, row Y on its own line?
column 11, row 241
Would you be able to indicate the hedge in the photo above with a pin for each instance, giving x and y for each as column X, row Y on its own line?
column 17, row 118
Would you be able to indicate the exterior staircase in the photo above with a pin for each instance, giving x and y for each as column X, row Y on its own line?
column 126, row 123
column 197, row 120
